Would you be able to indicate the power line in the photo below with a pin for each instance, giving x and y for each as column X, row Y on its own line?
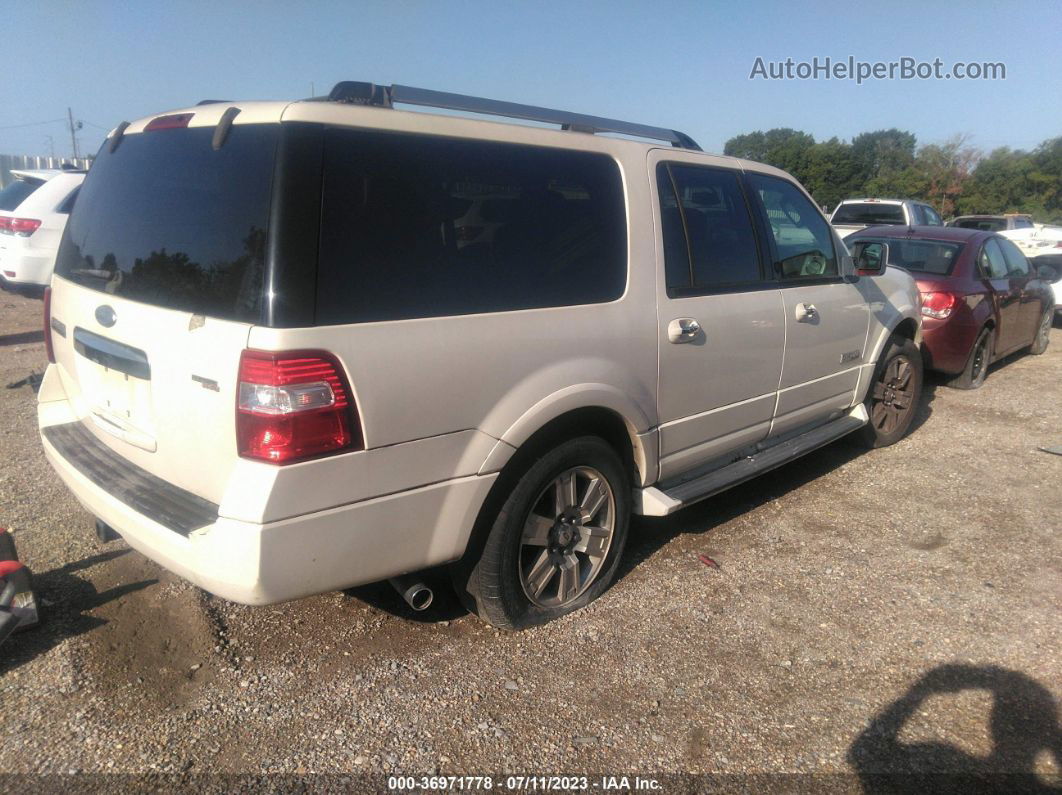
column 31, row 124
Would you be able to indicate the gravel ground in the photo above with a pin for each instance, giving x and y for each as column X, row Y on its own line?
column 895, row 610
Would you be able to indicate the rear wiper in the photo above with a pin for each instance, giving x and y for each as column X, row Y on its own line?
column 95, row 273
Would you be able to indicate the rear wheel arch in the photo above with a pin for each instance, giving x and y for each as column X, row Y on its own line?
column 606, row 423
column 907, row 328
column 586, row 421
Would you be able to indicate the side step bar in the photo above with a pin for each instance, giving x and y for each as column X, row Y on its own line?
column 661, row 501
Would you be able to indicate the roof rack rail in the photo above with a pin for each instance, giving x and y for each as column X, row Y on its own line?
column 386, row 96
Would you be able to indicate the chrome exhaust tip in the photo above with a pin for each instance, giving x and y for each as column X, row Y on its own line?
column 411, row 588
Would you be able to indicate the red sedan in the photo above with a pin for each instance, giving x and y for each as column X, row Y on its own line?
column 980, row 299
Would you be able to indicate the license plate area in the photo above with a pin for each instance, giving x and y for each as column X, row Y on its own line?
column 115, row 383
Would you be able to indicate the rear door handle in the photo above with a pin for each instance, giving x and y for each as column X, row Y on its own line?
column 683, row 329
column 806, row 313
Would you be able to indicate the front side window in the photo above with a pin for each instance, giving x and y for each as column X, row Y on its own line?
column 708, row 235
column 803, row 241
column 991, row 261
column 931, row 217
column 1017, row 265
column 421, row 226
column 1022, row 223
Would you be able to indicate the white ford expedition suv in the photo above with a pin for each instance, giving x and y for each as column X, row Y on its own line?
column 277, row 370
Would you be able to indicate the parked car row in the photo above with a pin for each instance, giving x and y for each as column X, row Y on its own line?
column 981, row 299
column 297, row 347
column 964, row 340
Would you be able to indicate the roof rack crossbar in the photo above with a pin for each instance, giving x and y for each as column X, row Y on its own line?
column 408, row 95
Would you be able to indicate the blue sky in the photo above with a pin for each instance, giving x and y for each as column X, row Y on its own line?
column 679, row 64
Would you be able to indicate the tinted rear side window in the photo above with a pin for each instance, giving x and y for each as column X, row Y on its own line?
column 417, row 226
column 68, row 203
column 17, row 192
column 712, row 218
column 984, row 224
column 869, row 214
column 168, row 220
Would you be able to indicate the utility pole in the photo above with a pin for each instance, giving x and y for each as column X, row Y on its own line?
column 73, row 133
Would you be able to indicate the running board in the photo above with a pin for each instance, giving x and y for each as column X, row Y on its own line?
column 656, row 501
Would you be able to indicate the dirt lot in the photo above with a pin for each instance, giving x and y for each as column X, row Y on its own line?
column 893, row 610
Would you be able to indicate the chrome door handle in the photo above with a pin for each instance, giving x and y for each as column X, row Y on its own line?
column 806, row 313
column 684, row 329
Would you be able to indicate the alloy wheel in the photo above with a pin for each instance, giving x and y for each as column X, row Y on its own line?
column 1044, row 333
column 893, row 395
column 566, row 537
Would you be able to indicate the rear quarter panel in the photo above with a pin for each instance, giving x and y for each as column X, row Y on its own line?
column 441, row 393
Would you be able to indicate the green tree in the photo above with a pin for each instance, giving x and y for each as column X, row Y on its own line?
column 883, row 153
column 782, row 147
column 831, row 173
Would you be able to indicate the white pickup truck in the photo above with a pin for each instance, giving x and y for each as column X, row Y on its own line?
column 851, row 215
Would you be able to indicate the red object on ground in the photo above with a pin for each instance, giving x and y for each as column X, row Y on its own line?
column 9, row 566
column 707, row 561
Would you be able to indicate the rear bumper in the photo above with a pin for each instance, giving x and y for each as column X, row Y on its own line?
column 252, row 563
column 19, row 267
column 946, row 344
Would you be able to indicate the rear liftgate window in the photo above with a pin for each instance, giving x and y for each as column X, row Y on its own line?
column 168, row 220
column 417, row 226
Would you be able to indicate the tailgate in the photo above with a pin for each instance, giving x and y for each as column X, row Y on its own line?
column 158, row 281
column 157, row 386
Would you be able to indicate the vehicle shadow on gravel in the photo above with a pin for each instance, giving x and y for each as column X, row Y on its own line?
column 22, row 338
column 1024, row 726
column 63, row 600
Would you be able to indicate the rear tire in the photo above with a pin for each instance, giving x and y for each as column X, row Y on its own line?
column 556, row 542
column 975, row 372
column 894, row 394
column 1043, row 333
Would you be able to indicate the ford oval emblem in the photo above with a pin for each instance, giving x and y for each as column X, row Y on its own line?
column 105, row 316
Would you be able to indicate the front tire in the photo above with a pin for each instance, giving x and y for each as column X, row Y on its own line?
column 894, row 394
column 556, row 542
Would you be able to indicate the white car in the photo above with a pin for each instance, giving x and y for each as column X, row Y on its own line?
column 33, row 212
column 851, row 215
column 274, row 372
column 1037, row 240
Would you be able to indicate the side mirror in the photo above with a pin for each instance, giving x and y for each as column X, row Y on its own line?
column 870, row 257
column 1047, row 272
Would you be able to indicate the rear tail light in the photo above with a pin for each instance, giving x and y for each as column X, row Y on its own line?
column 293, row 405
column 938, row 305
column 48, row 324
column 23, row 227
